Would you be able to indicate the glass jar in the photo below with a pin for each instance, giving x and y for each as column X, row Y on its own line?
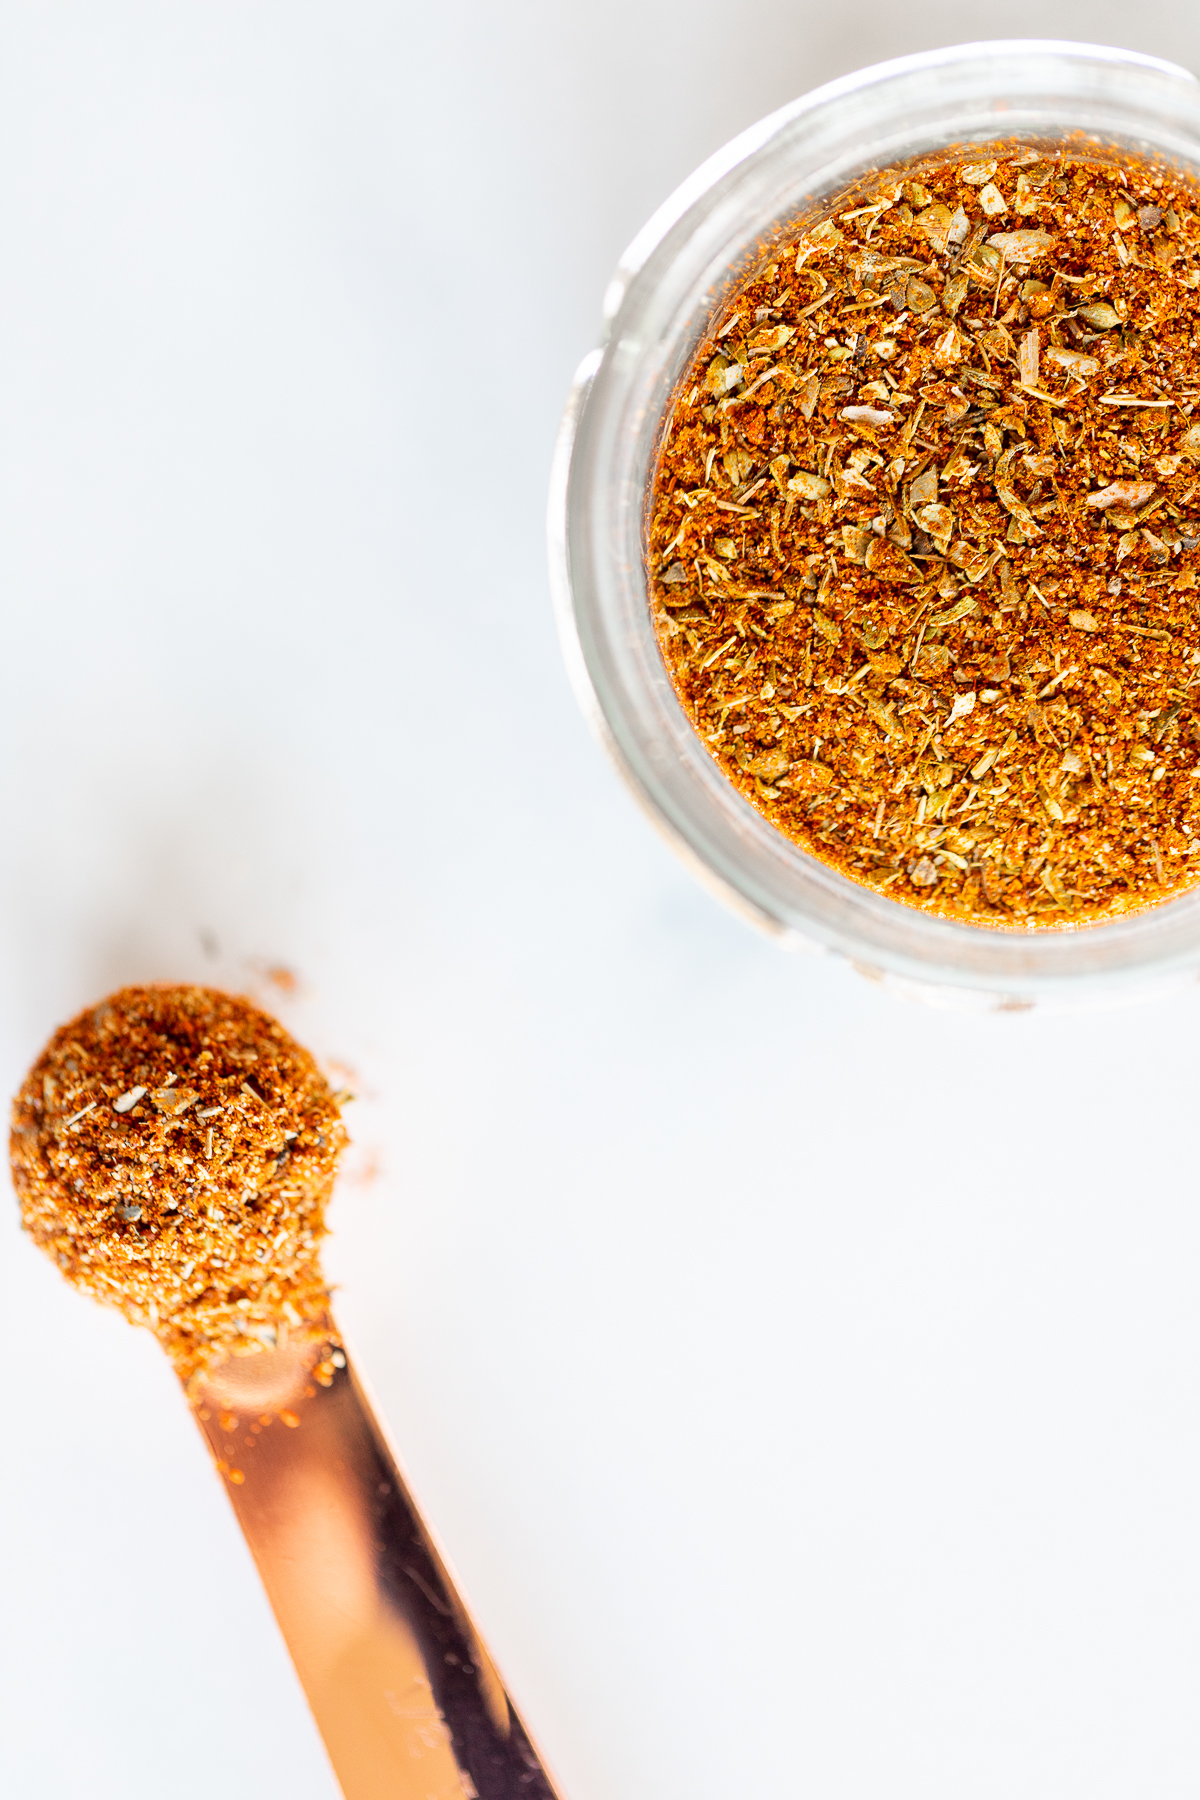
column 668, row 286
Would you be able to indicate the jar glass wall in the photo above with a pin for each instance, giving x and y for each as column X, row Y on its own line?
column 671, row 282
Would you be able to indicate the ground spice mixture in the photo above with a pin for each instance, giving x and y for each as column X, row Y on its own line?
column 923, row 536
column 173, row 1149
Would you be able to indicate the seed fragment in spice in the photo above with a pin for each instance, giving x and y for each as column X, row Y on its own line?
column 993, row 490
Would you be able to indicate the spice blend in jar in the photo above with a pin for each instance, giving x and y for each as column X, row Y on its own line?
column 173, row 1150
column 923, row 530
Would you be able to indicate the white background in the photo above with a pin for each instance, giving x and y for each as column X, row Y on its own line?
column 805, row 1384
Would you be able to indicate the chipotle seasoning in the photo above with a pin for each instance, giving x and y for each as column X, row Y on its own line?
column 173, row 1150
column 923, row 537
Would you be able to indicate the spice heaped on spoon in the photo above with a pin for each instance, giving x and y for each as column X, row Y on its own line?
column 173, row 1149
column 923, row 535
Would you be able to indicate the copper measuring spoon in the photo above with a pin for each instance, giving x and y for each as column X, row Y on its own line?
column 404, row 1694
column 173, row 1149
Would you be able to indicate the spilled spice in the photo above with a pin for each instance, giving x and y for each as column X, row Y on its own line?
column 173, row 1149
column 923, row 536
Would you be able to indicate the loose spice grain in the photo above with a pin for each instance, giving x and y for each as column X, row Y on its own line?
column 173, row 1149
column 923, row 536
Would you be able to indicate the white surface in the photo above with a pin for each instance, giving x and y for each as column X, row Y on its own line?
column 804, row 1384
